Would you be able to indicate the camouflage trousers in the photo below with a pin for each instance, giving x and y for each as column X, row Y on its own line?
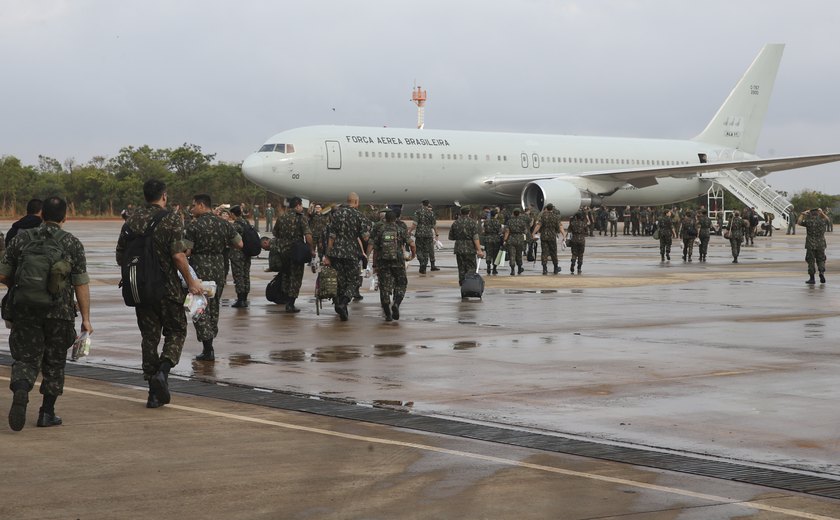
column 292, row 275
column 240, row 265
column 207, row 325
column 168, row 319
column 466, row 264
column 39, row 344
column 664, row 244
column 347, row 270
column 425, row 249
column 549, row 250
column 577, row 252
column 491, row 248
column 735, row 244
column 392, row 280
column 688, row 247
column 816, row 260
column 515, row 248
column 704, row 245
column 269, row 222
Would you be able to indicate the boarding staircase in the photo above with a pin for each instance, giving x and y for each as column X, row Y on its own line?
column 755, row 193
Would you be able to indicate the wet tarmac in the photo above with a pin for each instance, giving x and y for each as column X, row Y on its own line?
column 731, row 361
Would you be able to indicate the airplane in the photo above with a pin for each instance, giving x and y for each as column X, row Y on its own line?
column 404, row 166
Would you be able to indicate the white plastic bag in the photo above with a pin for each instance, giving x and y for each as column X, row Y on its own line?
column 195, row 304
column 438, row 245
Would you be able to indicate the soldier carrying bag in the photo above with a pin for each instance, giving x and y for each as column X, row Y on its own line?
column 143, row 279
column 251, row 241
column 300, row 250
column 42, row 271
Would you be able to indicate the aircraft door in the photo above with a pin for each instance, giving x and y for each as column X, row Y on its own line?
column 333, row 155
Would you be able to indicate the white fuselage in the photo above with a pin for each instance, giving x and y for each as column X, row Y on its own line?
column 392, row 165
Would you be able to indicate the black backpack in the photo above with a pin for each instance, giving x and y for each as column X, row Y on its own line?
column 251, row 241
column 143, row 280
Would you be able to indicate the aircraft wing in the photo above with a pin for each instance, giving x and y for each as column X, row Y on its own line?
column 643, row 177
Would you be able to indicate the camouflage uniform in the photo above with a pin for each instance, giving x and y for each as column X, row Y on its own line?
column 424, row 235
column 211, row 236
column 168, row 317
column 40, row 337
column 578, row 227
column 492, row 232
column 464, row 232
column 240, row 263
column 815, row 245
column 518, row 227
column 391, row 273
column 635, row 215
column 687, row 238
column 317, row 223
column 704, row 233
column 289, row 228
column 737, row 228
column 348, row 227
column 793, row 217
column 666, row 233
column 549, row 229
column 256, row 215
column 269, row 218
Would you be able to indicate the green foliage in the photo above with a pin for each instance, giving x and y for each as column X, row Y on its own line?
column 104, row 186
column 808, row 199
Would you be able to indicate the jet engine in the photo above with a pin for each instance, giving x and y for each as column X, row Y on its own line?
column 566, row 197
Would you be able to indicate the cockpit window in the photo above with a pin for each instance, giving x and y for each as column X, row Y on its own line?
column 275, row 147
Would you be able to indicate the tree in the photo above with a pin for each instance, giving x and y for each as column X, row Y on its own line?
column 187, row 160
column 808, row 199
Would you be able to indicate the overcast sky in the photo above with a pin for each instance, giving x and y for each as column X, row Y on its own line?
column 80, row 78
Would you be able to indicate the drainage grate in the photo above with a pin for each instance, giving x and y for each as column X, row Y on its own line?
column 774, row 478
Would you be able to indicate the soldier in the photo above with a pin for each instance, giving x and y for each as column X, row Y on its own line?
column 635, row 220
column 492, row 237
column 830, row 220
column 256, row 214
column 317, row 223
column 347, row 231
column 626, row 217
column 31, row 220
column 240, row 263
column 612, row 218
column 688, row 232
column 43, row 331
column 666, row 233
column 578, row 227
column 388, row 240
column 519, row 226
column 464, row 232
column 549, row 225
column 211, row 236
column 815, row 222
column 793, row 217
column 292, row 227
column 705, row 225
column 269, row 217
column 425, row 235
column 737, row 227
column 166, row 316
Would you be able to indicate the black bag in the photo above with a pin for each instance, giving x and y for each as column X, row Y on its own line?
column 691, row 231
column 251, row 241
column 473, row 286
column 274, row 290
column 301, row 253
column 143, row 280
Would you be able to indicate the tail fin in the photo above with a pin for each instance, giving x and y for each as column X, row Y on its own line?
column 738, row 122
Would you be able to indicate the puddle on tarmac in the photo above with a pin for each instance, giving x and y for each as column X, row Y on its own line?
column 464, row 345
column 237, row 360
column 292, row 355
column 814, row 330
column 388, row 403
column 389, row 350
column 336, row 354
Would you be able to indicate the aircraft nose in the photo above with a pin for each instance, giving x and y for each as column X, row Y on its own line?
column 253, row 167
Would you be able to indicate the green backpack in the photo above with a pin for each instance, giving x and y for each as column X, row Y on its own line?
column 42, row 271
column 389, row 248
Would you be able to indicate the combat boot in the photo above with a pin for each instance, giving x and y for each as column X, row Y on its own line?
column 341, row 309
column 822, row 277
column 240, row 301
column 520, row 269
column 423, row 269
column 152, row 401
column 811, row 280
column 668, row 256
column 512, row 271
column 572, row 268
column 207, row 353
column 489, row 269
column 290, row 306
column 17, row 413
column 47, row 418
column 434, row 267
column 556, row 268
column 495, row 271
column 387, row 310
column 545, row 268
column 663, row 257
column 395, row 308
column 159, row 384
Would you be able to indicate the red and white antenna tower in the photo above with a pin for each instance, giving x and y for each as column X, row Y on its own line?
column 418, row 96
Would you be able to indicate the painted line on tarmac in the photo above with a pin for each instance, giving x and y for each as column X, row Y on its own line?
column 464, row 454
